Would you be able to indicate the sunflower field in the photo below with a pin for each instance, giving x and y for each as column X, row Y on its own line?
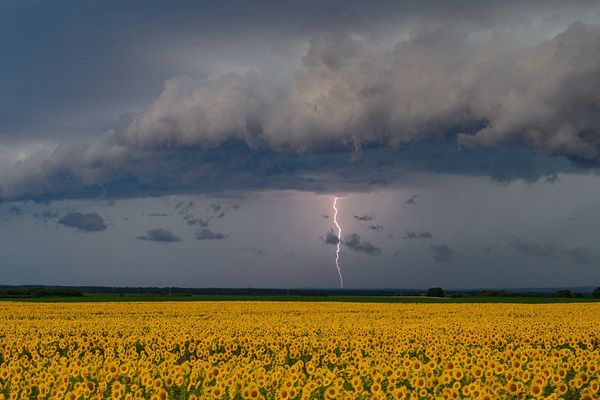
column 279, row 350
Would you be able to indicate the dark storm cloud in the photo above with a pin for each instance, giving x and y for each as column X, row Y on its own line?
column 160, row 235
column 90, row 222
column 354, row 242
column 158, row 215
column 417, row 235
column 236, row 167
column 393, row 104
column 207, row 234
column 454, row 95
column 443, row 253
column 330, row 238
column 376, row 227
column 580, row 255
column 365, row 217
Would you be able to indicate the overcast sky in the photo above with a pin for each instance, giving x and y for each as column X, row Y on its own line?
column 202, row 143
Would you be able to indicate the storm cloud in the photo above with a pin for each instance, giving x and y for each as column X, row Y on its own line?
column 356, row 243
column 445, row 98
column 160, row 235
column 207, row 234
column 350, row 93
column 330, row 238
column 86, row 223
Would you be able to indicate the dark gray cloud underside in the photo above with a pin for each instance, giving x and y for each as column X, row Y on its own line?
column 234, row 166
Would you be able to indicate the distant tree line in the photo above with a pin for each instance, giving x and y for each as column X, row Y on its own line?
column 179, row 291
column 39, row 292
column 564, row 293
column 50, row 291
column 568, row 293
column 435, row 292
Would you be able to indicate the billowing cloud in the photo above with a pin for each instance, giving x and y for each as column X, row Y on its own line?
column 354, row 242
column 444, row 99
column 207, row 234
column 160, row 235
column 549, row 104
column 349, row 92
column 418, row 235
column 442, row 253
column 580, row 255
column 91, row 222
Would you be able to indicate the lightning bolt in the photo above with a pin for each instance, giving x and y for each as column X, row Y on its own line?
column 339, row 236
